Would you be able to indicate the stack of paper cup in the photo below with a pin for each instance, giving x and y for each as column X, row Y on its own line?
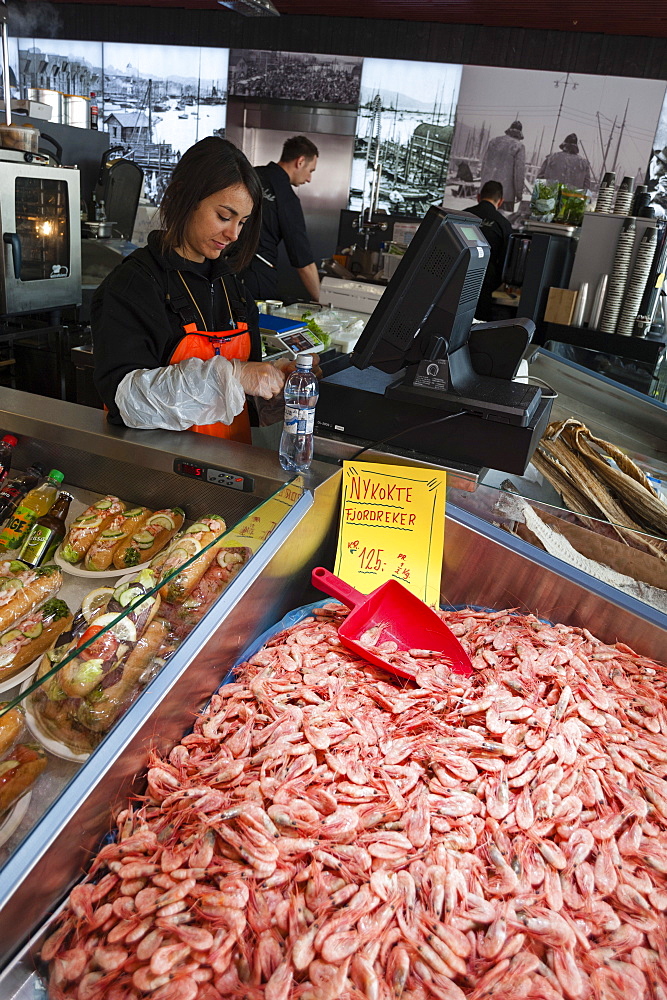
column 606, row 193
column 612, row 305
column 624, row 196
column 637, row 283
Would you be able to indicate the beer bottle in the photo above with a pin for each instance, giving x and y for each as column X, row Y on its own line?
column 46, row 533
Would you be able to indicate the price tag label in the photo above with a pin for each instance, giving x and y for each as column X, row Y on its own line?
column 256, row 527
column 392, row 527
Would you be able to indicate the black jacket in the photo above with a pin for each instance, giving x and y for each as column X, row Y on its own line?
column 496, row 229
column 282, row 221
column 282, row 218
column 135, row 319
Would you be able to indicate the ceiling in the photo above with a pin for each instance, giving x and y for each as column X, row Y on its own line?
column 618, row 17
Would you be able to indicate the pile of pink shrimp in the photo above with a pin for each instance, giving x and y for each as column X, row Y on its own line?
column 326, row 834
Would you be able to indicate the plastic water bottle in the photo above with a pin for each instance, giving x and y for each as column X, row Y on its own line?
column 301, row 393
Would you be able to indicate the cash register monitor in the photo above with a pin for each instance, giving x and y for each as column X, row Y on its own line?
column 422, row 324
column 429, row 304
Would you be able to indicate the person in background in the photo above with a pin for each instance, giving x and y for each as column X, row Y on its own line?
column 567, row 166
column 657, row 167
column 496, row 230
column 505, row 162
column 282, row 220
column 659, row 198
column 176, row 340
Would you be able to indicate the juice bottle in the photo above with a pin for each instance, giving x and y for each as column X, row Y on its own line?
column 13, row 491
column 46, row 533
column 36, row 503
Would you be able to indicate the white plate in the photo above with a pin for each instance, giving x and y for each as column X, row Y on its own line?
column 13, row 817
column 92, row 574
column 25, row 675
column 55, row 747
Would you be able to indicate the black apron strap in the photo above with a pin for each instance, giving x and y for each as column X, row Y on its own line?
column 235, row 290
column 181, row 303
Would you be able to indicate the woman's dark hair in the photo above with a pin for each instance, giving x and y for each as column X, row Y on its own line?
column 209, row 166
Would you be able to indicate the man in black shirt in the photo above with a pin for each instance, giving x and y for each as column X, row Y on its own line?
column 496, row 230
column 282, row 220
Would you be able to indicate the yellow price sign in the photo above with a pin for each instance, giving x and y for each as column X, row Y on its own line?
column 256, row 526
column 392, row 525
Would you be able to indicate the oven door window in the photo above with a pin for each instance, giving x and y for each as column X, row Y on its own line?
column 42, row 225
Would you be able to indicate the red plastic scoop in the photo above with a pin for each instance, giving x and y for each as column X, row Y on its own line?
column 397, row 615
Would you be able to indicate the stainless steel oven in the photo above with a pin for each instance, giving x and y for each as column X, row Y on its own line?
column 41, row 234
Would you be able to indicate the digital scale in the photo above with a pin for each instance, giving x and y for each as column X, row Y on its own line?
column 288, row 336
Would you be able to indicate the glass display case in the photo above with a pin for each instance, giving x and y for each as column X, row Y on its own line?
column 121, row 632
column 619, row 551
column 629, row 560
column 73, row 724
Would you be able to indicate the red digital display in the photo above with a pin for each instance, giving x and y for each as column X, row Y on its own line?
column 220, row 477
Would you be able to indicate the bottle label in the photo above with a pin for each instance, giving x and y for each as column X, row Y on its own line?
column 39, row 545
column 299, row 419
column 17, row 528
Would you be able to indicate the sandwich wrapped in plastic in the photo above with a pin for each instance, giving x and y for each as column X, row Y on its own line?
column 105, row 660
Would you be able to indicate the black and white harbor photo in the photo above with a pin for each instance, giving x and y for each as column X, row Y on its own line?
column 405, row 127
column 516, row 126
column 295, row 76
column 159, row 100
column 61, row 73
column 154, row 100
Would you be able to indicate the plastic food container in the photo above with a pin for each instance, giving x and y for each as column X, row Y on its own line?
column 345, row 340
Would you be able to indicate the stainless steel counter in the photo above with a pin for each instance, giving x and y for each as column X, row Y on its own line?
column 52, row 430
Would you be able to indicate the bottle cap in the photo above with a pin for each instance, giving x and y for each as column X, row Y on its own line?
column 55, row 474
column 10, row 440
column 304, row 360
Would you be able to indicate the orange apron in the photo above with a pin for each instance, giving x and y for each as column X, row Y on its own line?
column 219, row 343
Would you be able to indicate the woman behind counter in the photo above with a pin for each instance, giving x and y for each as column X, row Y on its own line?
column 175, row 336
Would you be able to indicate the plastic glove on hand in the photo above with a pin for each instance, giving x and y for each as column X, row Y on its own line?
column 259, row 378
